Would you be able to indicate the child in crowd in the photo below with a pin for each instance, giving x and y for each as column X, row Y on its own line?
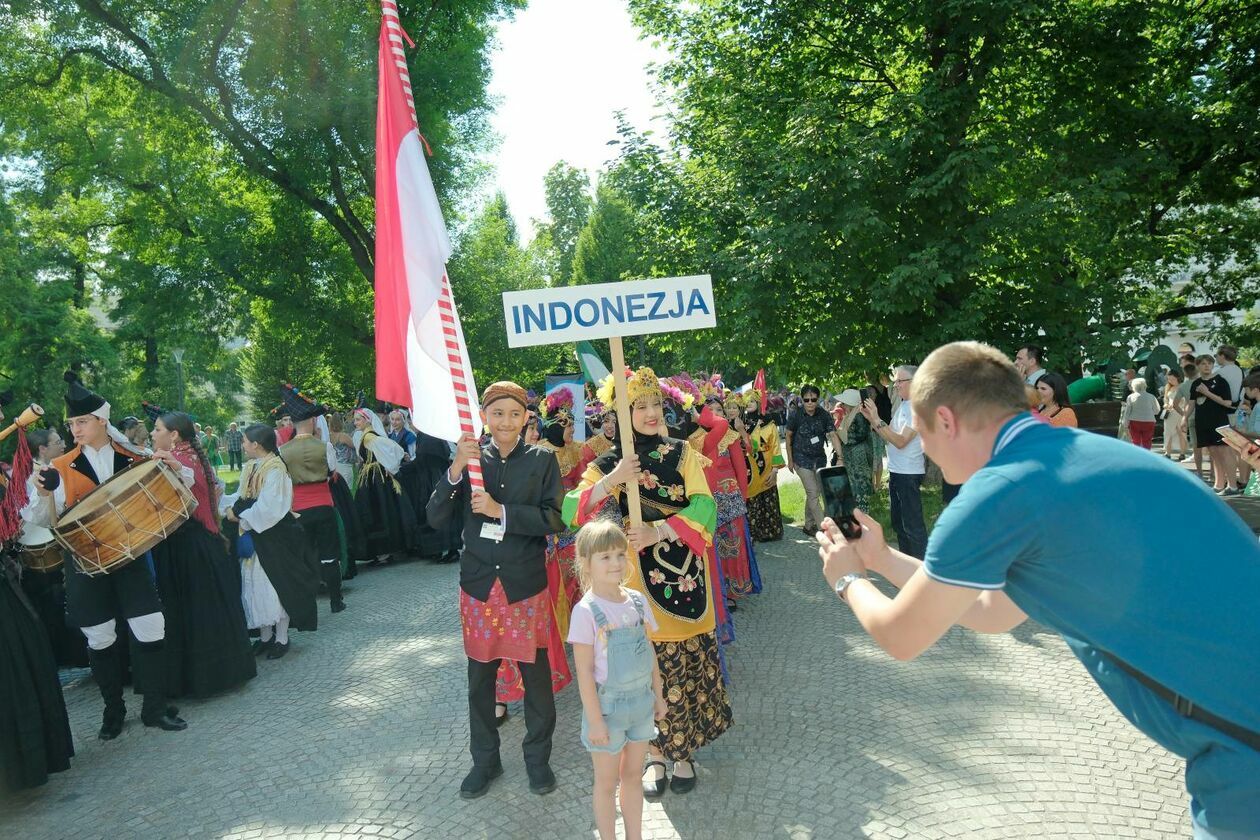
column 617, row 675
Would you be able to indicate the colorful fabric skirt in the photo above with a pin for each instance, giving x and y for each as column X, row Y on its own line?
column 764, row 519
column 509, row 687
column 736, row 552
column 725, row 628
column 699, row 709
column 496, row 629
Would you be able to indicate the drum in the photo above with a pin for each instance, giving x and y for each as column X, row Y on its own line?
column 124, row 517
column 41, row 556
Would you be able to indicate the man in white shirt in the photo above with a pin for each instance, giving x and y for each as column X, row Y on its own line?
column 1028, row 361
column 905, row 466
column 1227, row 367
column 94, row 604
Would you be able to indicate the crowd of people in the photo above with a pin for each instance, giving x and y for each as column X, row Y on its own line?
column 191, row 617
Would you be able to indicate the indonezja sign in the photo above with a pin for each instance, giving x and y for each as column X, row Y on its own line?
column 605, row 310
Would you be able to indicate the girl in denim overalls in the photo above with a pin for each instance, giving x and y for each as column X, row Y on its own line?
column 617, row 676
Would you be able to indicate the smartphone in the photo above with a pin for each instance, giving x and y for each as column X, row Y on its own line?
column 839, row 501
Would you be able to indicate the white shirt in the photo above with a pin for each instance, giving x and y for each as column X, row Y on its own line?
column 907, row 460
column 40, row 513
column 1033, row 376
column 275, row 498
column 1232, row 374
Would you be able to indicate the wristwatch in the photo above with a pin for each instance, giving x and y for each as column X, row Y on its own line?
column 843, row 583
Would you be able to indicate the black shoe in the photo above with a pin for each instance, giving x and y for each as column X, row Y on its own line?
column 339, row 606
column 112, row 724
column 683, row 784
column 478, row 780
column 165, row 722
column 541, row 780
column 260, row 647
column 278, row 650
column 449, row 557
column 500, row 719
column 656, row 789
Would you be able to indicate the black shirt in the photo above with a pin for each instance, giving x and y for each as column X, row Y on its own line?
column 527, row 484
column 806, row 429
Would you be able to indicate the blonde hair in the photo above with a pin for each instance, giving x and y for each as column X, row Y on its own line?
column 596, row 537
column 976, row 381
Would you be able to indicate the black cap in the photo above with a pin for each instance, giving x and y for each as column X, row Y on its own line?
column 79, row 400
column 299, row 406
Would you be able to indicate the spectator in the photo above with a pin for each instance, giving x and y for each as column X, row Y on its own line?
column 905, row 467
column 1247, row 421
column 1143, row 411
column 1187, row 349
column 1191, row 372
column 1056, row 405
column 1028, row 360
column 1176, row 392
column 1227, row 366
column 855, row 436
column 808, row 431
column 878, row 390
column 234, row 439
column 135, row 431
column 1211, row 405
column 1176, row 649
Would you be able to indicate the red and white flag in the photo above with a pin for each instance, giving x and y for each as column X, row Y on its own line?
column 421, row 358
column 760, row 384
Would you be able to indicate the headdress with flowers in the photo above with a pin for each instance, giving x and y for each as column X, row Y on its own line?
column 558, row 407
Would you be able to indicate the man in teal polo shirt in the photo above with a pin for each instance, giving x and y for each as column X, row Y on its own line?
column 1172, row 640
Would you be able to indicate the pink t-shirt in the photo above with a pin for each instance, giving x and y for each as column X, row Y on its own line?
column 584, row 629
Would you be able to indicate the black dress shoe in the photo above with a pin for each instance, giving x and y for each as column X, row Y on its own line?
column 168, row 723
column 500, row 719
column 449, row 557
column 683, row 784
column 339, row 606
column 656, row 789
column 260, row 647
column 111, row 725
column 277, row 650
column 541, row 780
column 478, row 780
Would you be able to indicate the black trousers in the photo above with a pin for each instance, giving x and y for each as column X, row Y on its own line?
column 540, row 711
column 906, row 509
column 234, row 459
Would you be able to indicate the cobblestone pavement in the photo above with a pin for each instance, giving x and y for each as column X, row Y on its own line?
column 361, row 731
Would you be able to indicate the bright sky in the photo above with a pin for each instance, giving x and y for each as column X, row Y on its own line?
column 562, row 68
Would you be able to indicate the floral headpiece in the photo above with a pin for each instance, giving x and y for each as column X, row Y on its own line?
column 640, row 384
column 558, row 407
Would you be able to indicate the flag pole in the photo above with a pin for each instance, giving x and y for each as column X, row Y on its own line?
column 624, row 429
column 446, row 304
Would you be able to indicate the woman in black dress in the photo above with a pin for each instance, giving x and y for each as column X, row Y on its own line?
column 1211, row 402
column 207, row 644
column 385, row 512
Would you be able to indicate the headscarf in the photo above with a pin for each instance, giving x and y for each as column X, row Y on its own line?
column 388, row 453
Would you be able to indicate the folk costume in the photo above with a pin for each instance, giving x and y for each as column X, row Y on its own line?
column 764, row 459
column 728, row 478
column 597, row 443
column 386, row 514
column 46, row 590
column 674, row 575
column 34, row 728
column 310, row 461
column 561, row 577
column 439, row 541
column 95, row 604
column 504, row 601
column 207, row 643
column 279, row 569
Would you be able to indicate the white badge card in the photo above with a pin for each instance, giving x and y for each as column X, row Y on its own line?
column 814, row 439
column 492, row 531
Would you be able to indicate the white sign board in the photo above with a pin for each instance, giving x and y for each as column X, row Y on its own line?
column 605, row 310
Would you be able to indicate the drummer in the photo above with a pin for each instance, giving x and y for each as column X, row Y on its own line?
column 95, row 603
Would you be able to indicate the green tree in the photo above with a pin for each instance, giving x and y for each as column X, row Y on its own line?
column 489, row 261
column 567, row 190
column 865, row 182
column 607, row 247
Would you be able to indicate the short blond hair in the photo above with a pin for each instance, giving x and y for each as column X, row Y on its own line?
column 975, row 381
column 596, row 537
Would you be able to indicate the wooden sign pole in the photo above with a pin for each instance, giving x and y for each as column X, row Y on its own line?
column 625, row 429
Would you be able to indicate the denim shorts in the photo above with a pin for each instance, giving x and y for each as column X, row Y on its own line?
column 629, row 717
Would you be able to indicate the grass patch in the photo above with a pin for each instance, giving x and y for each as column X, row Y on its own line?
column 230, row 478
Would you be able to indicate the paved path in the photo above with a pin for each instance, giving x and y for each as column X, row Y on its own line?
column 361, row 731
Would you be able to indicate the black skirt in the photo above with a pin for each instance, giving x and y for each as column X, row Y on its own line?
column 207, row 644
column 419, row 478
column 385, row 512
column 764, row 519
column 34, row 729
column 47, row 593
column 356, row 545
column 289, row 560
